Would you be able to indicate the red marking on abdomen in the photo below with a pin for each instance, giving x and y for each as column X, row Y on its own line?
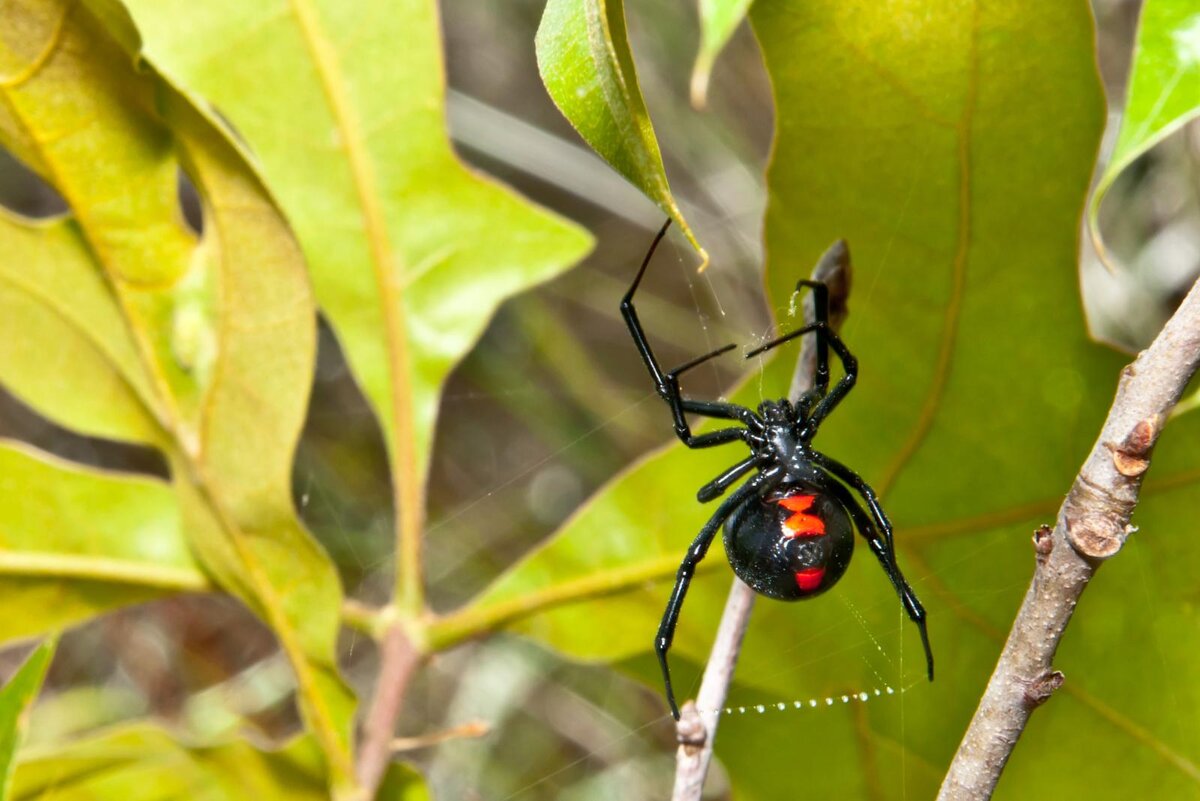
column 809, row 579
column 801, row 524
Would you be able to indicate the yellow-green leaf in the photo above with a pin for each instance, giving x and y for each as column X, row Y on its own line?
column 142, row 762
column 1163, row 93
column 64, row 347
column 586, row 64
column 410, row 253
column 718, row 20
column 76, row 542
column 15, row 700
column 217, row 336
column 145, row 764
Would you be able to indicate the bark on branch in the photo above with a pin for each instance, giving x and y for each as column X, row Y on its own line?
column 398, row 661
column 696, row 730
column 1093, row 524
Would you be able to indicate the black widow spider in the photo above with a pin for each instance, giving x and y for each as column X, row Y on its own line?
column 788, row 531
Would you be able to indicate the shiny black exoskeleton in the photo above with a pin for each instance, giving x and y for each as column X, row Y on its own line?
column 778, row 563
column 789, row 528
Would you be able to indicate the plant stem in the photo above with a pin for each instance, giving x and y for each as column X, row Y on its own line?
column 398, row 662
column 1092, row 525
column 696, row 730
column 476, row 621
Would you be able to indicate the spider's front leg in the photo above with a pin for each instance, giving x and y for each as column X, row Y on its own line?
column 667, row 383
column 687, row 569
column 877, row 530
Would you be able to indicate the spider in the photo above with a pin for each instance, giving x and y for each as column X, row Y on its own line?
column 789, row 530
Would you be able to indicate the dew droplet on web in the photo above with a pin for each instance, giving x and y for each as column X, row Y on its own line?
column 782, row 706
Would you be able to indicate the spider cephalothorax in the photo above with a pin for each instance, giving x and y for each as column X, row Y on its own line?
column 789, row 530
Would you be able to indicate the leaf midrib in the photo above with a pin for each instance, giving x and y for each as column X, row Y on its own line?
column 146, row 573
column 406, row 481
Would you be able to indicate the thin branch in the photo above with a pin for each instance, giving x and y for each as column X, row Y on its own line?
column 470, row 730
column 1092, row 525
column 475, row 621
column 398, row 662
column 696, row 730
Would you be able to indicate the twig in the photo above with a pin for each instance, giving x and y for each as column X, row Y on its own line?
column 697, row 726
column 696, row 730
column 1093, row 524
column 464, row 731
column 398, row 661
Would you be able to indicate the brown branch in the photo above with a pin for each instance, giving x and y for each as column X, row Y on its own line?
column 696, row 730
column 1093, row 524
column 697, row 726
column 398, row 660
column 464, row 731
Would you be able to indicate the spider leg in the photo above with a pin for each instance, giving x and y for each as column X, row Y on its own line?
column 877, row 530
column 722, row 411
column 849, row 365
column 718, row 485
column 821, row 317
column 667, row 383
column 864, row 489
column 729, row 411
column 687, row 568
column 820, row 324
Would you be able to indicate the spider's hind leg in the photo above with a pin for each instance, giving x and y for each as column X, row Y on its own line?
column 876, row 529
column 687, row 569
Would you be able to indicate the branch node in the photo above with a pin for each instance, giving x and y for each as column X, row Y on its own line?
column 690, row 731
column 1043, row 543
column 1131, row 457
column 1095, row 536
column 1040, row 689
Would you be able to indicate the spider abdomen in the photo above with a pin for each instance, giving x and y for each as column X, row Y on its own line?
column 791, row 544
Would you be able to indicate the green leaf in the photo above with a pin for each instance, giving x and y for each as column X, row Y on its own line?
column 978, row 397
column 584, row 58
column 50, row 292
column 410, row 253
column 77, row 542
column 144, row 763
column 15, row 700
column 718, row 20
column 1163, row 93
column 402, row 783
column 214, row 338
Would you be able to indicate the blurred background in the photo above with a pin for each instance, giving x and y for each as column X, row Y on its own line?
column 551, row 404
